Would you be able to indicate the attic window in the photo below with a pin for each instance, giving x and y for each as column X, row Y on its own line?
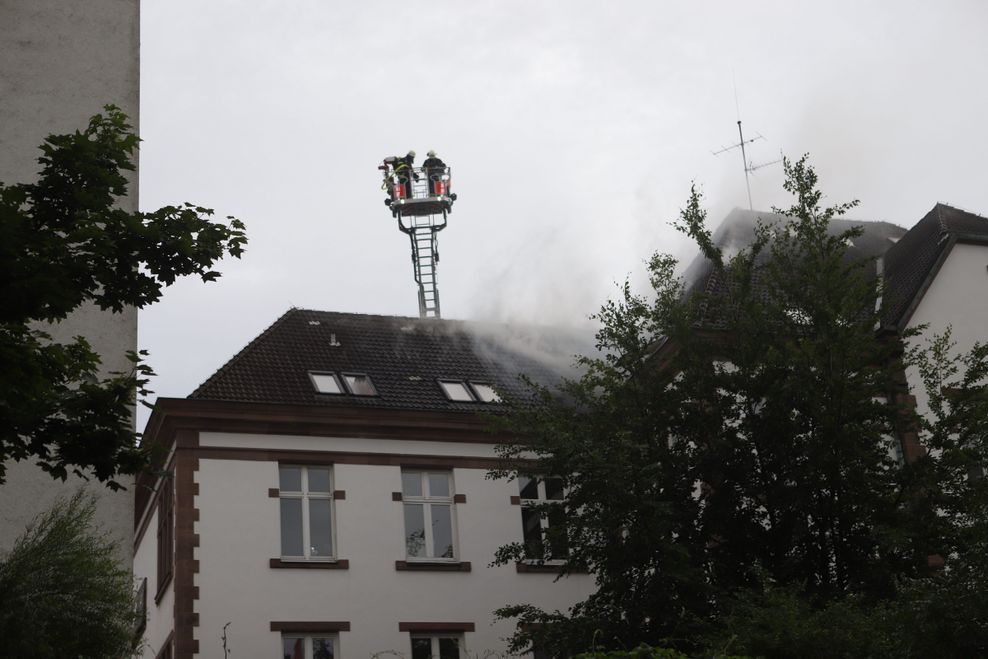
column 326, row 383
column 469, row 392
column 456, row 391
column 485, row 393
column 359, row 384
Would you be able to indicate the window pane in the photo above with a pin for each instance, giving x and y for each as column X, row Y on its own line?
column 360, row 385
column 290, row 479
column 486, row 393
column 442, row 532
column 439, row 485
column 293, row 648
column 528, row 487
column 558, row 544
column 411, row 483
column 318, row 479
column 421, row 648
column 320, row 529
column 326, row 383
column 414, row 530
column 291, row 527
column 322, row 648
column 554, row 489
column 449, row 648
column 531, row 523
column 456, row 391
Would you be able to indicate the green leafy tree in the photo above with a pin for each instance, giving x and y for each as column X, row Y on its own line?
column 736, row 441
column 63, row 593
column 63, row 243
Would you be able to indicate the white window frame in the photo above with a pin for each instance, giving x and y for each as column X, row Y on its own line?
column 543, row 519
column 427, row 501
column 341, row 391
column 334, row 640
column 307, row 496
column 434, row 642
column 471, row 390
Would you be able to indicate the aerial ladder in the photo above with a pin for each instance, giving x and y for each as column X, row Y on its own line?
column 420, row 200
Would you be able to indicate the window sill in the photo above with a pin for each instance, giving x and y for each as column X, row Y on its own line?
column 338, row 564
column 547, row 568
column 415, row 566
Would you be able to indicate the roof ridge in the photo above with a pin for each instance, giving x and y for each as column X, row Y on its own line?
column 250, row 344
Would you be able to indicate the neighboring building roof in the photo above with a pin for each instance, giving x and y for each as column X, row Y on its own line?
column 737, row 231
column 404, row 357
column 910, row 259
column 913, row 261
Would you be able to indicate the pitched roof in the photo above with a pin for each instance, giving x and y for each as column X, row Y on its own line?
column 910, row 259
column 913, row 261
column 404, row 357
column 737, row 231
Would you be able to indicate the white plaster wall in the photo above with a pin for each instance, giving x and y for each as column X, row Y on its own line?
column 161, row 616
column 61, row 62
column 958, row 297
column 239, row 532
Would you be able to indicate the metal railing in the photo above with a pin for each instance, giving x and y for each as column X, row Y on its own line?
column 418, row 183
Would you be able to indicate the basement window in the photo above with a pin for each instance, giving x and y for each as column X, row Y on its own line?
column 326, row 383
column 359, row 384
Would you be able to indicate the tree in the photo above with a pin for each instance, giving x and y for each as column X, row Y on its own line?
column 64, row 243
column 734, row 443
column 63, row 593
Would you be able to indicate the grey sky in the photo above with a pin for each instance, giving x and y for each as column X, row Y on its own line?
column 573, row 129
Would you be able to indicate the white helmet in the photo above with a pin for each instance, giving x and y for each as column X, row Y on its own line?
column 431, row 154
column 411, row 153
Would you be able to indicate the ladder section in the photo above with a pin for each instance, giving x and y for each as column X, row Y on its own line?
column 425, row 255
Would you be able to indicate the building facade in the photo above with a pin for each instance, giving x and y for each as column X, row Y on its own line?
column 62, row 62
column 327, row 490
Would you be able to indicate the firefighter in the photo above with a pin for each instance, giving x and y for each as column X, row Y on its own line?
column 434, row 169
column 404, row 170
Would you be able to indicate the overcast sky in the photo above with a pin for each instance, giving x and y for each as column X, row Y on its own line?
column 573, row 130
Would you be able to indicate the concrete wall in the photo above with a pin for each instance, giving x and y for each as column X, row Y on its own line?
column 239, row 531
column 62, row 61
column 958, row 298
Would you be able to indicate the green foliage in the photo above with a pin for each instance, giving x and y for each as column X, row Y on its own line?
column 63, row 593
column 64, row 243
column 727, row 457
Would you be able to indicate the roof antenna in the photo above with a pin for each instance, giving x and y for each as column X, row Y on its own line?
column 749, row 167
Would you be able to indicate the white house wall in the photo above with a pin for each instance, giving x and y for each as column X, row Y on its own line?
column 160, row 616
column 239, row 532
column 957, row 298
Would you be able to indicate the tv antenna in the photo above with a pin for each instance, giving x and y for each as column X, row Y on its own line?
column 749, row 166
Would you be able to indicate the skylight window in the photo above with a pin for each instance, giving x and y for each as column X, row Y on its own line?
column 469, row 392
column 485, row 393
column 359, row 384
column 326, row 383
column 456, row 391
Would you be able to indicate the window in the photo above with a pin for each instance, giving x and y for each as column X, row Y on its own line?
column 359, row 384
column 436, row 646
column 469, row 392
column 428, row 496
column 166, row 534
column 537, row 524
column 306, row 498
column 485, row 393
column 326, row 383
column 308, row 647
column 456, row 391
